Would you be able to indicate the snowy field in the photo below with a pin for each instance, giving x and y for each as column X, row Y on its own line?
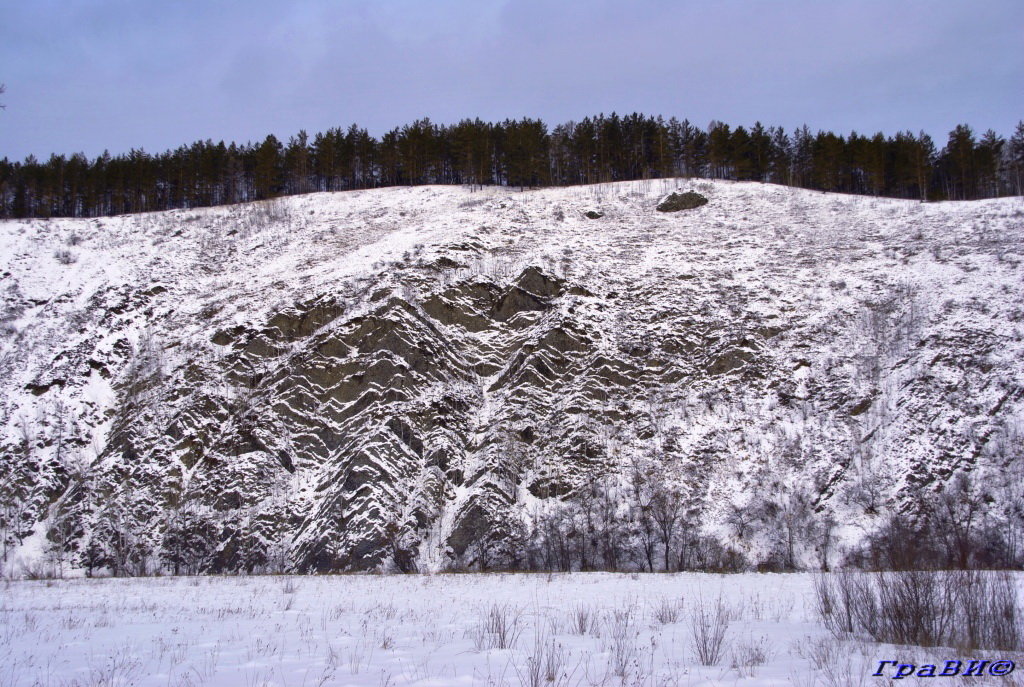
column 574, row 629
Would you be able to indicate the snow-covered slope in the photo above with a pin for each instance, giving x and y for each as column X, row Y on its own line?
column 422, row 377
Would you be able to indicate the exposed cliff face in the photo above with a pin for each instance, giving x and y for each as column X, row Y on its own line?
column 416, row 377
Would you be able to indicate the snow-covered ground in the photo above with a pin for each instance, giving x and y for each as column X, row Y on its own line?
column 430, row 630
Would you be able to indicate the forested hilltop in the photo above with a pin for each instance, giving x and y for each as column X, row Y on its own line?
column 515, row 153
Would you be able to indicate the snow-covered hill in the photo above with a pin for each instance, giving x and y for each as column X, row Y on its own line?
column 437, row 377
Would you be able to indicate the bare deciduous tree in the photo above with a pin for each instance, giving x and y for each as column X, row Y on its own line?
column 959, row 515
column 666, row 509
column 641, row 480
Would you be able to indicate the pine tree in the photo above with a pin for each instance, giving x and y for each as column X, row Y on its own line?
column 1015, row 160
column 742, row 155
column 803, row 157
column 760, row 152
column 719, row 150
column 418, row 146
column 610, row 148
column 524, row 152
column 662, row 150
column 297, row 161
column 958, row 161
column 989, row 161
column 267, row 181
column 781, row 158
column 584, row 146
column 924, row 160
column 364, row 157
column 564, row 165
column 391, row 173
column 827, row 161
column 875, row 164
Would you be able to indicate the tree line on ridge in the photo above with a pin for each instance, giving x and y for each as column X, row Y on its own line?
column 516, row 153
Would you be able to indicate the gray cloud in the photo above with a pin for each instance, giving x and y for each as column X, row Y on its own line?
column 94, row 74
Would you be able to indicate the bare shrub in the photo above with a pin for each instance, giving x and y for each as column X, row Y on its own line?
column 545, row 666
column 835, row 601
column 39, row 569
column 834, row 664
column 748, row 656
column 472, row 202
column 667, row 611
column 64, row 256
column 708, row 624
column 620, row 640
column 966, row 609
column 582, row 619
column 385, row 641
column 825, row 657
column 120, row 668
column 499, row 628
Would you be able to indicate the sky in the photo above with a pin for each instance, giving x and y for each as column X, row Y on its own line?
column 95, row 75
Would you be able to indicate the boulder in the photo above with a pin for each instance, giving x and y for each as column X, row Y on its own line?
column 675, row 202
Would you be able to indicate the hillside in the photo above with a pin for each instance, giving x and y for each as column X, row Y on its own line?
column 433, row 377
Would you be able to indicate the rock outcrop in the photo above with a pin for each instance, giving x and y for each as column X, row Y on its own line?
column 413, row 378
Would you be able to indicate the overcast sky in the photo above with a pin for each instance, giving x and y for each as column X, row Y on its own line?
column 89, row 75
